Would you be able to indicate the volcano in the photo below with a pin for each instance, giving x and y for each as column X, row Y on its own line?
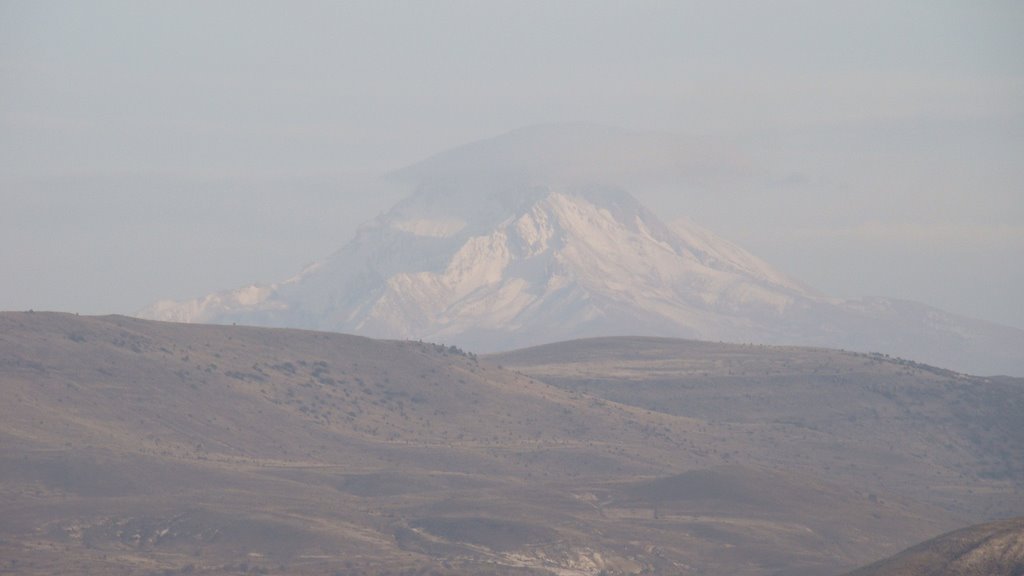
column 532, row 237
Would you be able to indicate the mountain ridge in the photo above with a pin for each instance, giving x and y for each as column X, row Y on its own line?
column 496, row 250
column 556, row 246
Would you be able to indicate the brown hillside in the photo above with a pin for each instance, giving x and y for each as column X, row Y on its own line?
column 866, row 420
column 993, row 549
column 135, row 447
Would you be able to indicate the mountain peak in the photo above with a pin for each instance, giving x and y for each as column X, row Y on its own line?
column 531, row 237
column 486, row 266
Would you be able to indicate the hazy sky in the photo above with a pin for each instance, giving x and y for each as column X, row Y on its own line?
column 169, row 149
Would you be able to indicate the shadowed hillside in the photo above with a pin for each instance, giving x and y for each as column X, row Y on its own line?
column 136, row 447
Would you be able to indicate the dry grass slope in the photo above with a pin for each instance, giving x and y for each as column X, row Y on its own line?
column 880, row 423
column 992, row 549
column 136, row 448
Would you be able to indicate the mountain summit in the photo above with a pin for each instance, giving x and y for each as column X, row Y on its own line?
column 515, row 266
column 510, row 242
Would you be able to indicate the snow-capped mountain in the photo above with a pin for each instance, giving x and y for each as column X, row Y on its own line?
column 499, row 247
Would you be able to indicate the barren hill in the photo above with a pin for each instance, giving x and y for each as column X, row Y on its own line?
column 868, row 420
column 992, row 549
column 138, row 447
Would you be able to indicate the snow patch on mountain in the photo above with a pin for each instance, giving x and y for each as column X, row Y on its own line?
column 209, row 308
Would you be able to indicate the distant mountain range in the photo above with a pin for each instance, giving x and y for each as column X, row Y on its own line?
column 526, row 238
